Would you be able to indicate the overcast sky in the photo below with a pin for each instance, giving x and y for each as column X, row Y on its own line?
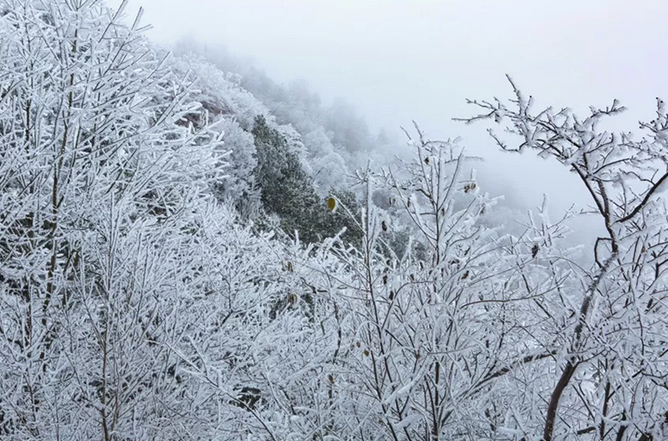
column 398, row 60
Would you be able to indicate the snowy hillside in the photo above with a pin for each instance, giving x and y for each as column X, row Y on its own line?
column 189, row 251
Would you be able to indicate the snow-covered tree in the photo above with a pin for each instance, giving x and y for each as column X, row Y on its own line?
column 421, row 337
column 95, row 197
column 606, row 379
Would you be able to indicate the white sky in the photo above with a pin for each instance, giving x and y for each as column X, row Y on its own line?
column 398, row 60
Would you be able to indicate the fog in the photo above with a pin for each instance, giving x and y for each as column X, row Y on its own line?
column 400, row 60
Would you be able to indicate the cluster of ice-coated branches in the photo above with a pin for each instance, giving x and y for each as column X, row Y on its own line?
column 130, row 305
column 608, row 380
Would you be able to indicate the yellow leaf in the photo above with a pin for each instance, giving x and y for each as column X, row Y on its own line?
column 331, row 204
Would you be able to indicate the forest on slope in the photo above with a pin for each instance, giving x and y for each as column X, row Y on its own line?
column 189, row 251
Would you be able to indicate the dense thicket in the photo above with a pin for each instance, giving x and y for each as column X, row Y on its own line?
column 152, row 287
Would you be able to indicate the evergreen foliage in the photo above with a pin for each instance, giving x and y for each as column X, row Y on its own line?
column 288, row 191
column 285, row 188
